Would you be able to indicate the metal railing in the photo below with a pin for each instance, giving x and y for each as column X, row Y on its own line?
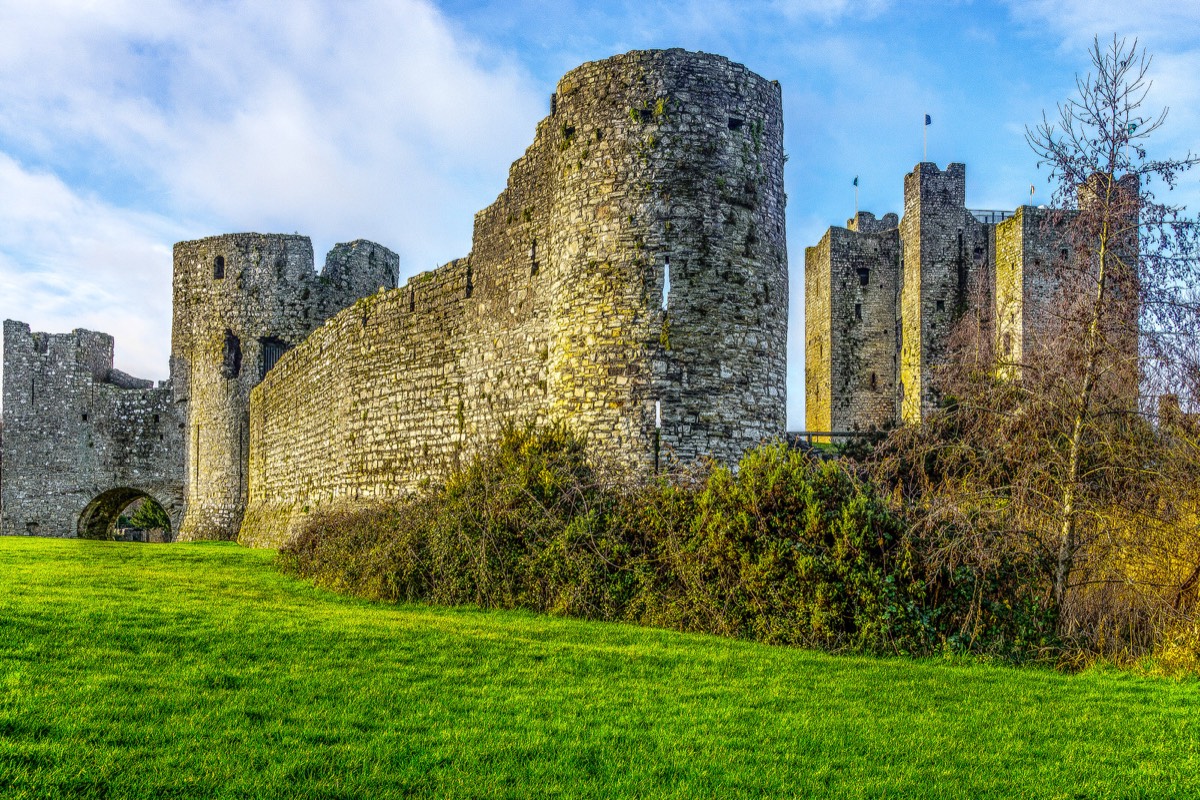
column 989, row 216
column 807, row 437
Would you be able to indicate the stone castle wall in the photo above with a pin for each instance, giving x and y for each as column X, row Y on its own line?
column 850, row 315
column 240, row 300
column 942, row 248
column 81, row 439
column 653, row 169
column 946, row 260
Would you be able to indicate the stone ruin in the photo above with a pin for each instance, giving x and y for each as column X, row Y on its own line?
column 881, row 297
column 630, row 281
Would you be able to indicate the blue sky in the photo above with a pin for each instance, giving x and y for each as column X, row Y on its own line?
column 126, row 126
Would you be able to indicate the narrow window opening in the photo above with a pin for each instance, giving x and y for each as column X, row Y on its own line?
column 470, row 284
column 272, row 350
column 85, row 418
column 735, row 124
column 219, row 267
column 553, row 104
column 231, row 365
column 962, row 267
column 156, row 419
column 533, row 262
column 1064, row 254
column 412, row 300
column 864, row 276
column 941, row 305
column 858, row 311
column 666, row 290
column 874, row 382
column 599, row 135
column 657, row 433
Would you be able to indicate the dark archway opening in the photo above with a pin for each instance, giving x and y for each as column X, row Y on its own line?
column 125, row 515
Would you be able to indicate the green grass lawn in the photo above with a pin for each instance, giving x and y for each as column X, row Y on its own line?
column 198, row 671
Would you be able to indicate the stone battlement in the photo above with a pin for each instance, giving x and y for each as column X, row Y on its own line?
column 882, row 297
column 75, row 429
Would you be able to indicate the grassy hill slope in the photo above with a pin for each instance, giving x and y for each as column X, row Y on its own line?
column 198, row 671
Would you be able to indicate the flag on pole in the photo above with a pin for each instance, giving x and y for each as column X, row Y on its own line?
column 856, row 180
column 928, row 120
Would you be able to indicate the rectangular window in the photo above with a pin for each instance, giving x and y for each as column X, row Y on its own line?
column 858, row 311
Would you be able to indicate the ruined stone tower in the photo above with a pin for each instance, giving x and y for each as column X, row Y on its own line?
column 631, row 281
column 241, row 301
column 81, row 440
column 940, row 243
column 881, row 297
column 852, row 287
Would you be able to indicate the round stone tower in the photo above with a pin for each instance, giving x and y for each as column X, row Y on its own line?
column 240, row 302
column 667, row 247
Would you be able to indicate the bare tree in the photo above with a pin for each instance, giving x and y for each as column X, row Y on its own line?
column 1132, row 257
column 1057, row 455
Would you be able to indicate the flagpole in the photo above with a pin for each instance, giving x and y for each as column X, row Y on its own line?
column 924, row 138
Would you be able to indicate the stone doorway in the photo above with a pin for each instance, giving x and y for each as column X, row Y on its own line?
column 126, row 514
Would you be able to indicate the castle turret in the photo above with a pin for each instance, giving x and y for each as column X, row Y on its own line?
column 240, row 302
column 941, row 242
column 666, row 241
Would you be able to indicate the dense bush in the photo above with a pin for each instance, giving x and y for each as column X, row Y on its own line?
column 783, row 549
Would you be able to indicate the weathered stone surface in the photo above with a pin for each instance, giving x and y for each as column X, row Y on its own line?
column 871, row 349
column 651, row 164
column 850, row 318
column 240, row 300
column 81, row 440
column 654, row 168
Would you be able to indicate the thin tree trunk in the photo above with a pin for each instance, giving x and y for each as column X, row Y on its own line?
column 1068, row 511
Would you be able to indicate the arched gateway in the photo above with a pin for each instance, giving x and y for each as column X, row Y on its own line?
column 82, row 441
column 100, row 518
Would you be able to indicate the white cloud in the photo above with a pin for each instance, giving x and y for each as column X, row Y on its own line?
column 69, row 261
column 338, row 120
column 1166, row 22
column 330, row 118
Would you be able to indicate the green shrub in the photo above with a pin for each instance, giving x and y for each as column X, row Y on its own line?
column 782, row 549
column 792, row 551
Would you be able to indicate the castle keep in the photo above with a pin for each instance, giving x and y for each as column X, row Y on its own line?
column 882, row 295
column 631, row 280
